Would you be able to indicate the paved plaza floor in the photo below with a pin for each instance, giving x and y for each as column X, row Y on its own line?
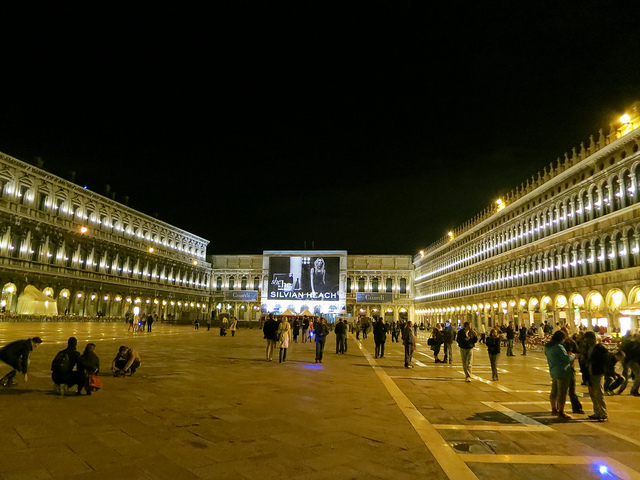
column 203, row 406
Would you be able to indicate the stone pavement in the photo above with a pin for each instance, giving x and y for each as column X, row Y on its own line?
column 205, row 406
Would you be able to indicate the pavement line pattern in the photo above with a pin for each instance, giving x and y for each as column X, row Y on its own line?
column 518, row 417
column 496, row 428
column 612, row 465
column 450, row 462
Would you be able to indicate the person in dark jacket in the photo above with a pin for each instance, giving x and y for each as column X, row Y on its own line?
column 270, row 331
column 91, row 365
column 409, row 341
column 435, row 342
column 522, row 336
column 596, row 365
column 466, row 339
column 341, row 336
column 320, row 332
column 379, row 336
column 447, row 342
column 64, row 379
column 493, row 349
column 571, row 347
column 16, row 355
column 511, row 335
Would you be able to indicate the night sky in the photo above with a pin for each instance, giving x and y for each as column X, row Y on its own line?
column 372, row 126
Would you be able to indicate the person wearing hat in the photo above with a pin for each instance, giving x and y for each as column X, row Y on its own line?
column 62, row 368
column 16, row 355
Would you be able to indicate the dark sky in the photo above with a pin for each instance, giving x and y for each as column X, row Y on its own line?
column 370, row 126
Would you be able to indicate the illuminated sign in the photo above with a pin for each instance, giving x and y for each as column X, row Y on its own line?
column 362, row 297
column 308, row 278
column 242, row 295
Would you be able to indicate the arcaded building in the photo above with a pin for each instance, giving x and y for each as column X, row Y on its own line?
column 562, row 247
column 92, row 255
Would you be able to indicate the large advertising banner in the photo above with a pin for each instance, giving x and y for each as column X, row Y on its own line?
column 308, row 278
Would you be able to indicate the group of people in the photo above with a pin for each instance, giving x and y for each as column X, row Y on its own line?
column 597, row 366
column 69, row 368
column 280, row 332
column 139, row 323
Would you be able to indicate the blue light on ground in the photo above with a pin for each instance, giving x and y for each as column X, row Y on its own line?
column 603, row 469
column 313, row 366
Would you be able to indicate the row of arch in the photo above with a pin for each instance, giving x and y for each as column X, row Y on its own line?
column 37, row 193
column 110, row 303
column 611, row 251
column 617, row 191
column 82, row 254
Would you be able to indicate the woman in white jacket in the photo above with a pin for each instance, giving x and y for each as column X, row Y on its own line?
column 284, row 335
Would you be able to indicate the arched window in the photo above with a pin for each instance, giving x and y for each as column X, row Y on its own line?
column 361, row 284
column 348, row 284
column 232, row 283
column 218, row 284
column 389, row 285
column 403, row 285
column 256, row 283
column 243, row 285
column 374, row 285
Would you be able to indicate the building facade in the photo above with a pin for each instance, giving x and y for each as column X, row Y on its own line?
column 93, row 255
column 562, row 247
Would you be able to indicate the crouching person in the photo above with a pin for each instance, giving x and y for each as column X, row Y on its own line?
column 16, row 355
column 67, row 370
column 91, row 364
column 126, row 362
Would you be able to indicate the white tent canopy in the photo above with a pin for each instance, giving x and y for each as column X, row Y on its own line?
column 633, row 309
column 34, row 302
column 307, row 313
column 288, row 313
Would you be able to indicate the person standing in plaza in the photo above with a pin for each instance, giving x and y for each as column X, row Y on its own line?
column 483, row 333
column 522, row 336
column 596, row 364
column 466, row 339
column 270, row 331
column 409, row 342
column 284, row 335
column 233, row 326
column 493, row 349
column 295, row 329
column 16, row 355
column 511, row 335
column 447, row 342
column 379, row 336
column 571, row 347
column 149, row 322
column 395, row 332
column 305, row 329
column 321, row 331
column 435, row 342
column 341, row 336
column 559, row 362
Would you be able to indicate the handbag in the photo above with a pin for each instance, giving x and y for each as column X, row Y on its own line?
column 95, row 382
column 431, row 341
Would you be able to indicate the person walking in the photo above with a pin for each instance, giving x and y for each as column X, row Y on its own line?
column 522, row 336
column 559, row 362
column 305, row 329
column 483, row 333
column 16, row 355
column 321, row 332
column 409, row 342
column 466, row 339
column 284, row 335
column 596, row 364
column 493, row 349
column 379, row 336
column 295, row 329
column 270, row 330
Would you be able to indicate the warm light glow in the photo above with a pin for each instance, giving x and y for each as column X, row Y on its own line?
column 84, row 229
column 625, row 118
column 195, row 262
column 500, row 204
column 596, row 299
column 617, row 298
column 151, row 249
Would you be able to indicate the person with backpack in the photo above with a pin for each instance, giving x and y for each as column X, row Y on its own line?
column 16, row 355
column 62, row 369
